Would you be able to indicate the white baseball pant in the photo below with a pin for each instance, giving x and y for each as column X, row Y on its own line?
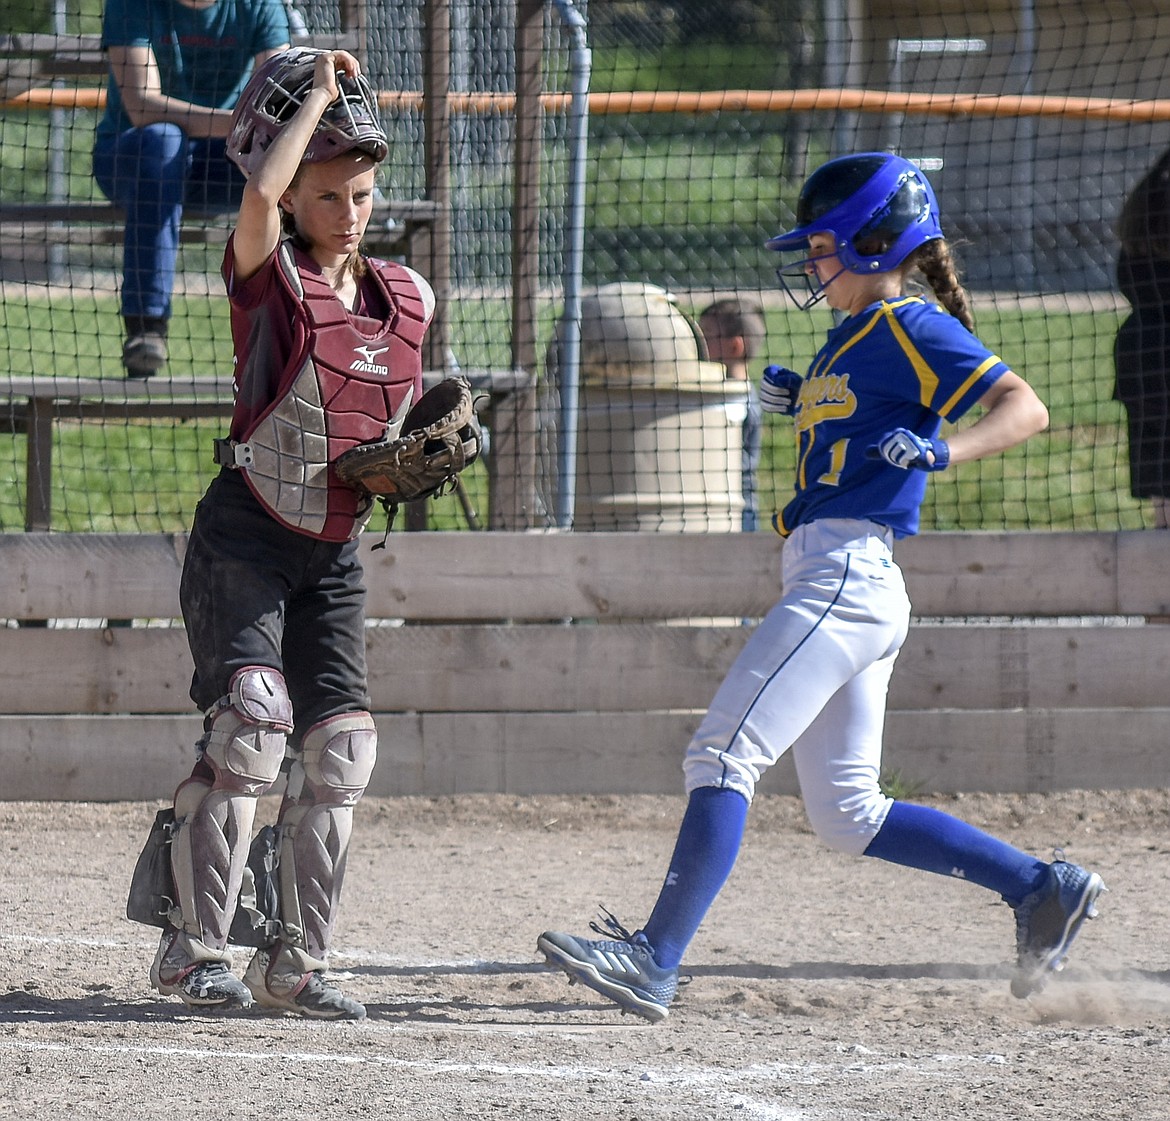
column 814, row 677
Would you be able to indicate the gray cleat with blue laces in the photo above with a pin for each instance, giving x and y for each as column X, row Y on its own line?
column 622, row 969
column 1047, row 922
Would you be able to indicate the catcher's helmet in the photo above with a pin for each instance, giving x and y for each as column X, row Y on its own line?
column 878, row 207
column 274, row 93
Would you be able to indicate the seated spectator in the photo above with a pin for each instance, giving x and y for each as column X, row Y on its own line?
column 176, row 70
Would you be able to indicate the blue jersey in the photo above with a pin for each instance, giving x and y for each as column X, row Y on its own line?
column 204, row 55
column 902, row 363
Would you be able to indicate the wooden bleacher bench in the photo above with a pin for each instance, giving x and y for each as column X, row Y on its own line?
column 28, row 61
column 35, row 404
column 393, row 230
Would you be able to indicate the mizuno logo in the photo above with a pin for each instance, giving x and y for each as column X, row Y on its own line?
column 366, row 364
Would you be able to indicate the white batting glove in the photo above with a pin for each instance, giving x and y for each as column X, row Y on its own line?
column 779, row 389
column 906, row 449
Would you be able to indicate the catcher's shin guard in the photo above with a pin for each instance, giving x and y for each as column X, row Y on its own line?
column 243, row 746
column 328, row 776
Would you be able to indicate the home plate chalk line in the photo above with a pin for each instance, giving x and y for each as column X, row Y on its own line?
column 676, row 1077
column 746, row 1089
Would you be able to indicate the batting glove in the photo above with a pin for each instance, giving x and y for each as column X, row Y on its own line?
column 779, row 389
column 905, row 449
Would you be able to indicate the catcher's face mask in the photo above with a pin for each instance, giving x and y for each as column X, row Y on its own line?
column 278, row 89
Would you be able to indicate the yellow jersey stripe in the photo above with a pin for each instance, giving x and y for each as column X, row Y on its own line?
column 959, row 393
column 927, row 378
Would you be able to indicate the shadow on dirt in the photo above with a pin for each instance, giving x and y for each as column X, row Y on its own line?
column 21, row 1006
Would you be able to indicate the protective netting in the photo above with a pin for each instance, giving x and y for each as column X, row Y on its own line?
column 1033, row 120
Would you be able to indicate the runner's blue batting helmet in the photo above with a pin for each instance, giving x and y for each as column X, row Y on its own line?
column 877, row 207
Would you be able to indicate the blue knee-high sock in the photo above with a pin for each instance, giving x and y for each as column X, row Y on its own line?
column 933, row 841
column 704, row 854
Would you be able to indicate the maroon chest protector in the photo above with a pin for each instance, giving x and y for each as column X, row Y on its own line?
column 348, row 387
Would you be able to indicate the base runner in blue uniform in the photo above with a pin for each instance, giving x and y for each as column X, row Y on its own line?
column 814, row 675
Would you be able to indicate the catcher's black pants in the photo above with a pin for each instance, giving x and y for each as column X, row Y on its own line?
column 254, row 593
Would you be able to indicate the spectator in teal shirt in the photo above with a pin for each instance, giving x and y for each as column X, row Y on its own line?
column 176, row 70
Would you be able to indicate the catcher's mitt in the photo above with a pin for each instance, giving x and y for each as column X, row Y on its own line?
column 439, row 437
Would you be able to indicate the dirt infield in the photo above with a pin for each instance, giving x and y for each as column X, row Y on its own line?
column 824, row 989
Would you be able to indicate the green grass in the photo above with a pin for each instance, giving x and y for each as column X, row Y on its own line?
column 1076, row 474
column 896, row 784
column 680, row 182
column 120, row 474
column 81, row 336
column 132, row 475
column 700, row 66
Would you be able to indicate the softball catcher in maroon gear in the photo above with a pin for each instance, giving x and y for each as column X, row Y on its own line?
column 327, row 356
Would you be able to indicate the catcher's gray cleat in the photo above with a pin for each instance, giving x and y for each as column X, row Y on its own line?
column 1047, row 922
column 204, row 984
column 307, row 994
column 623, row 970
column 207, row 986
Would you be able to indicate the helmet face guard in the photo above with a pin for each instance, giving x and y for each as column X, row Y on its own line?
column 877, row 207
column 277, row 90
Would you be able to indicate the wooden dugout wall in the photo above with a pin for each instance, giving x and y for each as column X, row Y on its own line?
column 481, row 683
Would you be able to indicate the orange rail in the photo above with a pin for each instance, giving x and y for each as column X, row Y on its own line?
column 734, row 101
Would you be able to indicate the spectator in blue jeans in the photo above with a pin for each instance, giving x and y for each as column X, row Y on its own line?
column 177, row 68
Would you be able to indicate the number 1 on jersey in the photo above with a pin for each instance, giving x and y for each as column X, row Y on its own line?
column 832, row 477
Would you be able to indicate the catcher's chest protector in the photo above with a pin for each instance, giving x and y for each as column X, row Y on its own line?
column 348, row 388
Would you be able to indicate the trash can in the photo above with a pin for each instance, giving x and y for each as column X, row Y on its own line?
column 660, row 428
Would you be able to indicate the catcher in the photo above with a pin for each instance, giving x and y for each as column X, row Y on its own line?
column 327, row 358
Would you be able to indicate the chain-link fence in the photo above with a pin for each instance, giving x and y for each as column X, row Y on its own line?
column 701, row 121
